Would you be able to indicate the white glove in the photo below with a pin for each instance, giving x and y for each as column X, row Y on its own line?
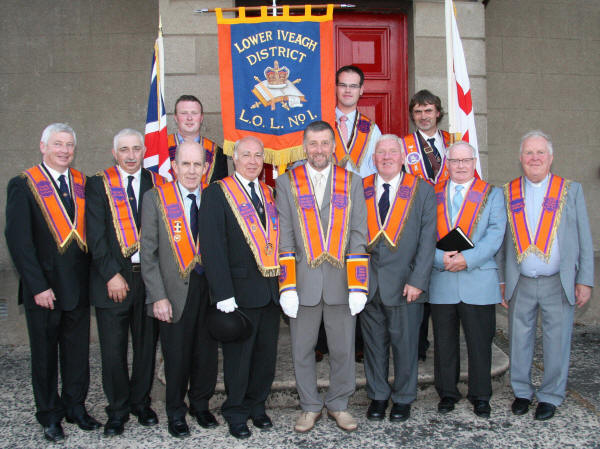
column 356, row 301
column 227, row 305
column 289, row 303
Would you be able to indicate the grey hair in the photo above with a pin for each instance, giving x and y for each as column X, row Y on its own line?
column 57, row 128
column 127, row 132
column 393, row 137
column 537, row 133
column 463, row 143
column 237, row 144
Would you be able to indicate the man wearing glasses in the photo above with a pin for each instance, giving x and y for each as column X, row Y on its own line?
column 464, row 285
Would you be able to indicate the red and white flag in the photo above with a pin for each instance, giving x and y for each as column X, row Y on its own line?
column 157, row 149
column 461, row 115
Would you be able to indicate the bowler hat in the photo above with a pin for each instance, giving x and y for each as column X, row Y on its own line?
column 228, row 327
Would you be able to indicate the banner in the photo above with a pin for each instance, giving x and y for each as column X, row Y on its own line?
column 277, row 76
column 155, row 139
column 461, row 115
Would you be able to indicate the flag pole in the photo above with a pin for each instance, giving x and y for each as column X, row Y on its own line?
column 450, row 70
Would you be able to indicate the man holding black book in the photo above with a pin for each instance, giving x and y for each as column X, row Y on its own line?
column 464, row 284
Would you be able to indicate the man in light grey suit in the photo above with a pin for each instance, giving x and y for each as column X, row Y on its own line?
column 548, row 264
column 401, row 241
column 464, row 285
column 177, row 290
column 322, row 217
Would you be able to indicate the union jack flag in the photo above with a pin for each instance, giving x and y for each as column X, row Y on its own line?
column 157, row 150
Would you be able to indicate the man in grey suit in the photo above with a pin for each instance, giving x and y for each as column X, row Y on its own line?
column 322, row 219
column 177, row 290
column 401, row 241
column 548, row 264
column 464, row 285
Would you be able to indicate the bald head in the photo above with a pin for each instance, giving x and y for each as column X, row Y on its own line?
column 189, row 164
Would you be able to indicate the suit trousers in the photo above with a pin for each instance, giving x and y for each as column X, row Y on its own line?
column 249, row 365
column 125, row 393
column 339, row 327
column 479, row 326
column 59, row 335
column 190, row 354
column 546, row 294
column 396, row 326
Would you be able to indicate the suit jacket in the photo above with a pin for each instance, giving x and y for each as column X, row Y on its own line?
column 159, row 267
column 324, row 281
column 35, row 254
column 410, row 262
column 230, row 267
column 575, row 243
column 107, row 259
column 478, row 283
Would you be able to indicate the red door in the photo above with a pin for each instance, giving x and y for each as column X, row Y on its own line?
column 377, row 44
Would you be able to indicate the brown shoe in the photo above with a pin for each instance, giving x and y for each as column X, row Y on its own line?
column 344, row 420
column 306, row 421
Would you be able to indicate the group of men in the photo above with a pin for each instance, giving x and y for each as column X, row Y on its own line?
column 351, row 231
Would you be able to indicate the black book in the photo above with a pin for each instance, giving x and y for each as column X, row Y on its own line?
column 455, row 240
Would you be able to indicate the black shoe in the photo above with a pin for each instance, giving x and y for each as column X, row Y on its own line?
column 85, row 422
column 544, row 411
column 239, row 430
column 359, row 357
column 179, row 428
column 205, row 419
column 482, row 408
column 446, row 405
column 114, row 427
column 262, row 421
column 376, row 410
column 400, row 412
column 422, row 357
column 54, row 432
column 146, row 416
column 520, row 406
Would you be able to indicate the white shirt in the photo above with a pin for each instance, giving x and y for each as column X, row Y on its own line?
column 245, row 183
column 367, row 167
column 312, row 173
column 466, row 187
column 135, row 184
column 55, row 175
column 186, row 201
column 439, row 141
column 394, row 183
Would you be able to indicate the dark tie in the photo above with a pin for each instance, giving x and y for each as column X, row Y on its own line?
column 132, row 200
column 434, row 157
column 193, row 217
column 257, row 203
column 384, row 202
column 65, row 196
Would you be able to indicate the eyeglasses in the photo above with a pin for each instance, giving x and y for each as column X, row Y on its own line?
column 464, row 161
column 348, row 86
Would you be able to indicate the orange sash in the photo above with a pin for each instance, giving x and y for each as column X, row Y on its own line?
column 185, row 251
column 547, row 224
column 320, row 247
column 469, row 213
column 209, row 157
column 61, row 227
column 122, row 215
column 414, row 158
column 356, row 149
column 399, row 210
column 264, row 244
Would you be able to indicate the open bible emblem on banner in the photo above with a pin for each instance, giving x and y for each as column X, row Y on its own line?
column 277, row 76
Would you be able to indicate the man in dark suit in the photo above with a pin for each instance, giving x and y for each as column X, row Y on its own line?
column 177, row 290
column 114, row 201
column 45, row 233
column 239, row 233
column 401, row 241
column 188, row 116
column 548, row 265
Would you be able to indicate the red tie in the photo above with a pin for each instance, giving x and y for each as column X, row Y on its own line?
column 344, row 128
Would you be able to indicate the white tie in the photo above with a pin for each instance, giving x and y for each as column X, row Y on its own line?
column 319, row 188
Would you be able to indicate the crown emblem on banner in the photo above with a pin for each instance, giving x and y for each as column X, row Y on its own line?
column 277, row 76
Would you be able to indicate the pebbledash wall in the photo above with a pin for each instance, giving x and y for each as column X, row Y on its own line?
column 532, row 64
